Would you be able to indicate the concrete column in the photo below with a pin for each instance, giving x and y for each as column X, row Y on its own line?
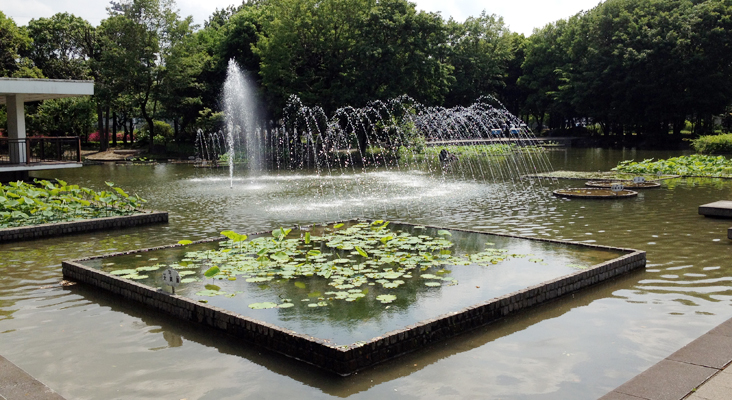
column 16, row 128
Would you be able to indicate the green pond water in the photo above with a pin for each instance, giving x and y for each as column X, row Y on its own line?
column 86, row 344
column 349, row 307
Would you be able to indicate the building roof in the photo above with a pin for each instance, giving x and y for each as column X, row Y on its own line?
column 44, row 89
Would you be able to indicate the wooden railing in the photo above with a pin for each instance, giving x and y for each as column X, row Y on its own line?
column 40, row 149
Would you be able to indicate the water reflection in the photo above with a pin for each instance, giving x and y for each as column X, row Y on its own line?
column 86, row 346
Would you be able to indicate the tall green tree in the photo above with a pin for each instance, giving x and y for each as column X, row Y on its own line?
column 59, row 46
column 139, row 39
column 480, row 51
column 14, row 41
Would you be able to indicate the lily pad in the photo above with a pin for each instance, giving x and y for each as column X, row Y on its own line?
column 264, row 305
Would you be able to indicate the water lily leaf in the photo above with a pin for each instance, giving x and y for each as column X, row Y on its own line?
column 263, row 305
column 280, row 256
column 188, row 280
column 300, row 285
column 361, row 252
column 149, row 268
column 211, row 272
column 338, row 226
column 260, row 279
column 314, row 294
column 209, row 293
column 307, row 237
column 432, row 283
column 286, row 305
column 124, row 272
column 386, row 298
column 185, row 242
column 443, row 232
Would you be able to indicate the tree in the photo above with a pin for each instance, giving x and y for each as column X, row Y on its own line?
column 139, row 38
column 13, row 42
column 59, row 46
column 480, row 51
column 349, row 52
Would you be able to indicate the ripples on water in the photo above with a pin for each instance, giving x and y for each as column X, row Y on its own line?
column 86, row 344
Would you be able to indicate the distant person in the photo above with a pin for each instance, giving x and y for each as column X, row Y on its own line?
column 447, row 158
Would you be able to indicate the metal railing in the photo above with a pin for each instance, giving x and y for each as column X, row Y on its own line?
column 40, row 149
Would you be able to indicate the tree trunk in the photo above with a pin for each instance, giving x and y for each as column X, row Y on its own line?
column 100, row 127
column 123, row 122
column 114, row 129
column 106, row 128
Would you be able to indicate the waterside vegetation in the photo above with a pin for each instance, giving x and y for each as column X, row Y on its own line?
column 24, row 204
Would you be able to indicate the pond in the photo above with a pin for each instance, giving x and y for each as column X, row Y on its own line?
column 88, row 345
column 351, row 282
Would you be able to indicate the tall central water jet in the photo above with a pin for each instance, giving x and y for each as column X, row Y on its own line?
column 241, row 109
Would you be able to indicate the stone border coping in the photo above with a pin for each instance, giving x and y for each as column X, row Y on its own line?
column 717, row 209
column 680, row 374
column 18, row 384
column 347, row 359
column 87, row 225
column 619, row 195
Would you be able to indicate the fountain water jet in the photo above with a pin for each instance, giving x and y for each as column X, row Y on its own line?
column 386, row 141
column 241, row 109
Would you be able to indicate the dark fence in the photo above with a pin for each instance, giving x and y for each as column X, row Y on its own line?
column 40, row 149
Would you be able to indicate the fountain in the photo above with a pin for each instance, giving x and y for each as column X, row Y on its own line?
column 344, row 296
column 242, row 125
column 387, row 141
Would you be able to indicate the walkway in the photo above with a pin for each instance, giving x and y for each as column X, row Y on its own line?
column 699, row 371
column 17, row 384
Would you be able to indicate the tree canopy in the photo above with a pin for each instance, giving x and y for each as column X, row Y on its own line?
column 627, row 66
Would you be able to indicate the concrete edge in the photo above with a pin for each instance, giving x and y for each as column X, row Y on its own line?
column 88, row 225
column 18, row 384
column 699, row 360
column 347, row 359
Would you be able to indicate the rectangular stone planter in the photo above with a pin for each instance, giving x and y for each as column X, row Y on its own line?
column 347, row 359
column 89, row 225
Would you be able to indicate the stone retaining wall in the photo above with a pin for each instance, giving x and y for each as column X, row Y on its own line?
column 345, row 360
column 89, row 225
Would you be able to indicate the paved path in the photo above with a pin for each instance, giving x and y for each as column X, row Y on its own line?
column 698, row 371
column 16, row 384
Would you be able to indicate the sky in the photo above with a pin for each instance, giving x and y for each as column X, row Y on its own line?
column 520, row 15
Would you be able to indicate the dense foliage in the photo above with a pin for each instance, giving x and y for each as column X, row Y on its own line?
column 632, row 70
column 693, row 165
column 23, row 204
column 713, row 144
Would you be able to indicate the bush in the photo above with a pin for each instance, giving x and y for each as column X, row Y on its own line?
column 163, row 133
column 713, row 144
column 96, row 137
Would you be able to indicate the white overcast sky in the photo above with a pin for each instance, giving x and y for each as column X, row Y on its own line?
column 520, row 15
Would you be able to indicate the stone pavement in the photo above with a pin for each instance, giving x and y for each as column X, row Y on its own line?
column 17, row 384
column 698, row 371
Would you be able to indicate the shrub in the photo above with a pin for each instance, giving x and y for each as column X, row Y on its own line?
column 713, row 144
column 163, row 132
column 95, row 136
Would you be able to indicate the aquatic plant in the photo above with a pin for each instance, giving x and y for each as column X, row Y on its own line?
column 350, row 258
column 691, row 165
column 23, row 204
